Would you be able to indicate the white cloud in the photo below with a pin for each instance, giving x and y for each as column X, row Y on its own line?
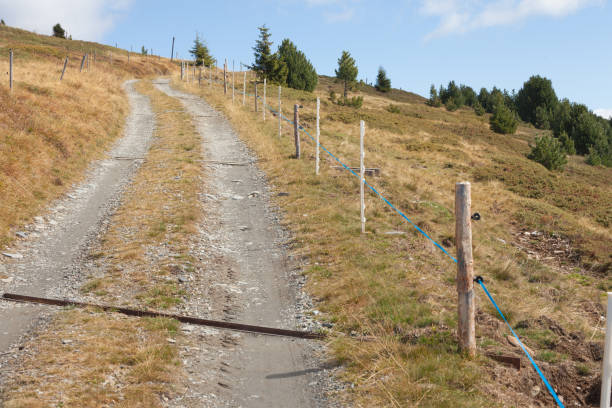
column 83, row 19
column 336, row 11
column 463, row 16
column 604, row 113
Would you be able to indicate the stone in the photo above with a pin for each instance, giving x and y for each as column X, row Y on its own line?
column 12, row 255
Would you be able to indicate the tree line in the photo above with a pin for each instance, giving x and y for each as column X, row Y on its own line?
column 575, row 129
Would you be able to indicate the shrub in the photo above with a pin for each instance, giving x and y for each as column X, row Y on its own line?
column 383, row 83
column 354, row 102
column 478, row 108
column 503, row 120
column 549, row 152
column 393, row 108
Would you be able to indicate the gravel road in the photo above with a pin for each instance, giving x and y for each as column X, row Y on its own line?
column 51, row 258
column 245, row 235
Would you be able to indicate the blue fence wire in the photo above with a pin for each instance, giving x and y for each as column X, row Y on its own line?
column 478, row 280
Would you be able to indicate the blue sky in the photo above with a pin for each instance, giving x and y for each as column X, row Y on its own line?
column 419, row 42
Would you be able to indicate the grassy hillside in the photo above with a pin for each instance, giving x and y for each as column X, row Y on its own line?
column 51, row 130
column 543, row 247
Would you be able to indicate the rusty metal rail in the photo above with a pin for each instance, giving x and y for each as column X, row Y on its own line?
column 183, row 319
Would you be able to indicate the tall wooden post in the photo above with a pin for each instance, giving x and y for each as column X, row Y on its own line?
column 361, row 174
column 111, row 58
column 225, row 77
column 264, row 101
column 172, row 52
column 244, row 89
column 210, row 76
column 64, row 69
column 182, row 69
column 200, row 77
column 233, row 81
column 280, row 113
column 11, row 69
column 296, row 130
column 255, row 96
column 87, row 62
column 317, row 157
column 465, row 268
column 128, row 57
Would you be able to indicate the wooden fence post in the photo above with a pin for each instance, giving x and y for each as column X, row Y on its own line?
column 11, row 69
column 606, row 375
column 317, row 157
column 128, row 57
column 255, row 96
column 200, row 78
column 111, row 58
column 465, row 268
column 64, row 69
column 225, row 77
column 361, row 174
column 296, row 130
column 210, row 76
column 83, row 62
column 172, row 52
column 244, row 89
column 264, row 101
column 280, row 113
column 87, row 62
column 233, row 81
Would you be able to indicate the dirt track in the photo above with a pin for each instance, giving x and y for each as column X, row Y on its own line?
column 245, row 235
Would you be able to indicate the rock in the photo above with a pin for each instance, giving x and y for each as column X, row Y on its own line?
column 328, row 325
column 254, row 194
column 535, row 391
column 39, row 220
column 395, row 233
column 243, row 227
column 183, row 279
column 12, row 255
column 283, row 194
column 237, row 197
column 66, row 341
column 7, row 279
column 512, row 340
column 172, row 341
column 21, row 234
column 210, row 197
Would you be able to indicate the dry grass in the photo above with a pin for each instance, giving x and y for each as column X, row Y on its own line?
column 401, row 289
column 50, row 130
column 109, row 360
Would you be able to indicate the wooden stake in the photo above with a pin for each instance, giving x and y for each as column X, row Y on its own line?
column 264, row 101
column 361, row 173
column 280, row 113
column 233, row 81
column 606, row 376
column 317, row 157
column 82, row 62
column 210, row 76
column 296, row 130
column 200, row 77
column 225, row 77
column 244, row 89
column 465, row 268
column 128, row 57
column 172, row 52
column 64, row 69
column 255, row 96
column 11, row 69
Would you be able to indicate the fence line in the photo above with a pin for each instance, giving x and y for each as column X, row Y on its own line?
column 478, row 279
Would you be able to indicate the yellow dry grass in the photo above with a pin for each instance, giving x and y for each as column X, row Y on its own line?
column 400, row 288
column 50, row 130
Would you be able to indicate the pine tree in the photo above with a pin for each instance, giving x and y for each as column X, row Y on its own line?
column 201, row 54
column 144, row 51
column 347, row 70
column 268, row 65
column 434, row 99
column 301, row 74
column 58, row 31
column 383, row 83
column 503, row 120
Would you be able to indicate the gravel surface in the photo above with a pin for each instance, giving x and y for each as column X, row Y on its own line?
column 247, row 276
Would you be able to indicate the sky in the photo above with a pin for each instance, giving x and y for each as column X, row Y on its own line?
column 419, row 42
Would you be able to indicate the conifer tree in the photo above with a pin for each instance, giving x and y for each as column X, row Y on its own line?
column 383, row 83
column 347, row 70
column 268, row 65
column 58, row 31
column 301, row 74
column 201, row 54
